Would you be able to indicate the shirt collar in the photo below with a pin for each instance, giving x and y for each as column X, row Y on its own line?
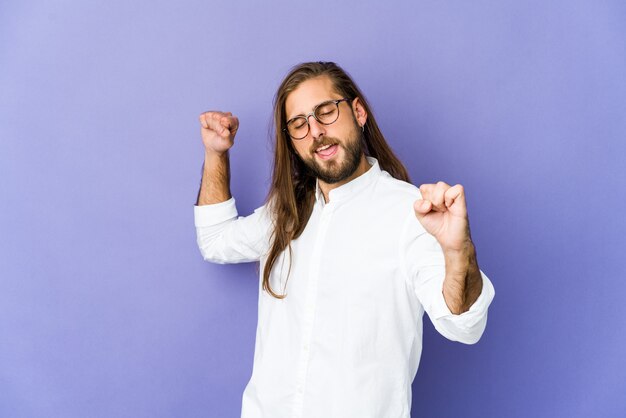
column 353, row 187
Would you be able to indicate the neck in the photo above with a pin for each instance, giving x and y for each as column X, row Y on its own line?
column 362, row 168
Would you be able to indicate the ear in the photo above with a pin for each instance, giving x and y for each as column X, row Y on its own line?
column 359, row 111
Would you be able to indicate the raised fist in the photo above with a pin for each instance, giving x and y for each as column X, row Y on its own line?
column 218, row 130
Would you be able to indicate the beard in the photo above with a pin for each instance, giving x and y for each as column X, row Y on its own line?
column 334, row 171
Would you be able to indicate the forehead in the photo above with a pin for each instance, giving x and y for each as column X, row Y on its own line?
column 308, row 94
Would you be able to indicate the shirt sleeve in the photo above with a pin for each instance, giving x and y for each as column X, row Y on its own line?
column 425, row 271
column 224, row 237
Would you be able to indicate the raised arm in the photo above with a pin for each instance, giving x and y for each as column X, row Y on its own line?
column 222, row 235
column 442, row 265
column 218, row 131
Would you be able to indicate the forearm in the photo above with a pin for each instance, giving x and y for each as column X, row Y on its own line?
column 463, row 282
column 215, row 184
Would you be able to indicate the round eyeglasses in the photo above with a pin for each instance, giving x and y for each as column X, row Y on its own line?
column 325, row 113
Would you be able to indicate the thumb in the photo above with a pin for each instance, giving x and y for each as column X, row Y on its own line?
column 421, row 207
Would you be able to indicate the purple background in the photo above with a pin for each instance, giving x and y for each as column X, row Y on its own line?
column 106, row 306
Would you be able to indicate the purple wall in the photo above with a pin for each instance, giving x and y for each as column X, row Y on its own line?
column 106, row 306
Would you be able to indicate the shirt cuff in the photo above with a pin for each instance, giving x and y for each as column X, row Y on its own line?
column 475, row 312
column 209, row 215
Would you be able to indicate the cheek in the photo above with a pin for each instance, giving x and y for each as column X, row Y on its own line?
column 347, row 129
column 300, row 150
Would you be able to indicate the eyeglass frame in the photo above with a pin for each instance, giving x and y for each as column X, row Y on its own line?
column 306, row 117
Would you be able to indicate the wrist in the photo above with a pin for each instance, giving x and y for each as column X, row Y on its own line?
column 460, row 259
column 210, row 154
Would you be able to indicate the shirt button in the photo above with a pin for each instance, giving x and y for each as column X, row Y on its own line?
column 305, row 347
column 299, row 389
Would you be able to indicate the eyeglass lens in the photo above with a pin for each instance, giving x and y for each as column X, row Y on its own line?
column 325, row 113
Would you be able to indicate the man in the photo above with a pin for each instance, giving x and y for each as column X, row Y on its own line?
column 366, row 253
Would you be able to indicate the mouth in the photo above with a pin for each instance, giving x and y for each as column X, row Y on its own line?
column 327, row 151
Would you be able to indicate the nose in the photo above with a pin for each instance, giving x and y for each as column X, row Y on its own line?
column 316, row 128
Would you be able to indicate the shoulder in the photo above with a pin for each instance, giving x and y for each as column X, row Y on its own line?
column 392, row 199
column 390, row 208
column 396, row 191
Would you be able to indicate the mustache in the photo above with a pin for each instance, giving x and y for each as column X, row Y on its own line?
column 328, row 141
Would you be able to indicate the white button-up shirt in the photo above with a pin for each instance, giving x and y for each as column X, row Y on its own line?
column 347, row 339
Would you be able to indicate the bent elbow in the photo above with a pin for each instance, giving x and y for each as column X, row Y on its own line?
column 209, row 249
column 462, row 333
column 211, row 258
column 470, row 339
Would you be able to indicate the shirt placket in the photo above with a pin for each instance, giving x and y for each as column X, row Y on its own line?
column 309, row 308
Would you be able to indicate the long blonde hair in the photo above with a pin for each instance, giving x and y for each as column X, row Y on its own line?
column 292, row 191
